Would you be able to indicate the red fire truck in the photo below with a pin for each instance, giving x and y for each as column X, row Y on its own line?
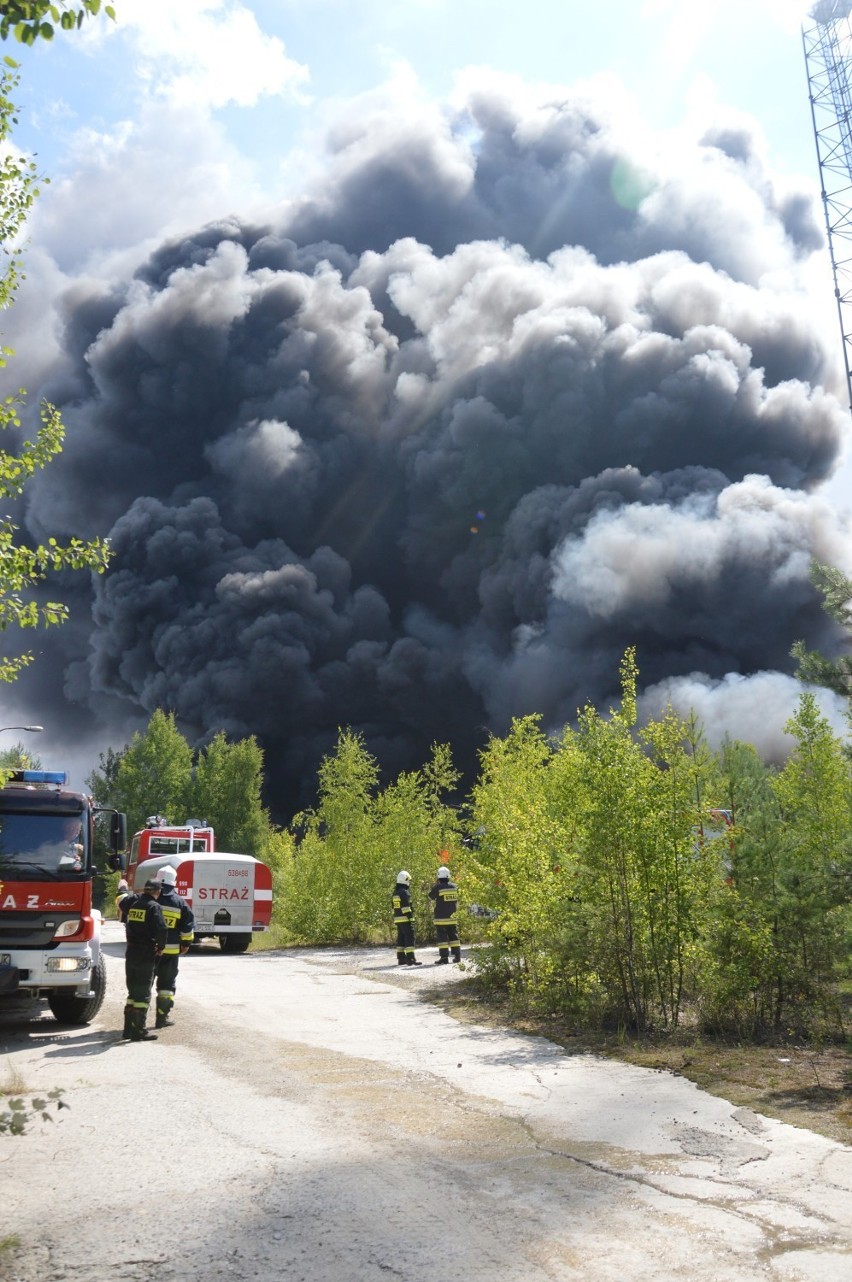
column 230, row 895
column 50, row 933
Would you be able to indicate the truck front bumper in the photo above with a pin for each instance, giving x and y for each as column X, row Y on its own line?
column 68, row 967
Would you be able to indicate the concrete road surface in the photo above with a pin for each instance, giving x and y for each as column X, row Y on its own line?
column 310, row 1118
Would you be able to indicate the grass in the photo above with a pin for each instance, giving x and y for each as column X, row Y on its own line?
column 14, row 1083
column 8, row 1244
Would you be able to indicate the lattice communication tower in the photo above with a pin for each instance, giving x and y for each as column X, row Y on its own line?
column 827, row 39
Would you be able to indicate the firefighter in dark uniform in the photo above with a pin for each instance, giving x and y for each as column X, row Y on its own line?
column 403, row 919
column 146, row 938
column 445, row 897
column 180, row 924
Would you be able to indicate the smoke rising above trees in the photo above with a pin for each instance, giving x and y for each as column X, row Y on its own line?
column 503, row 394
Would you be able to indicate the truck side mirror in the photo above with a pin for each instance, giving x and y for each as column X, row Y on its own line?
column 118, row 830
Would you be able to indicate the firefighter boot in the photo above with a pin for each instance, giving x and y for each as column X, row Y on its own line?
column 401, row 959
column 138, row 1031
column 128, row 1022
column 165, row 1002
column 456, row 954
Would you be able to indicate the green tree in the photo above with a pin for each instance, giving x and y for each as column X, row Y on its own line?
column 101, row 782
column 338, row 884
column 815, row 876
column 101, row 785
column 644, row 873
column 813, row 667
column 154, row 774
column 521, row 867
column 678, row 868
column 226, row 792
column 617, row 783
column 413, row 828
column 158, row 773
column 335, row 876
column 18, row 757
column 742, row 964
column 31, row 20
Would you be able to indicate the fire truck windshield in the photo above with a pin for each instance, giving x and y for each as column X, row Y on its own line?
column 173, row 845
column 50, row 844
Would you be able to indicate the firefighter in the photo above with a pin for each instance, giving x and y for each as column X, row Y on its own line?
column 445, row 895
column 403, row 919
column 146, row 938
column 180, row 924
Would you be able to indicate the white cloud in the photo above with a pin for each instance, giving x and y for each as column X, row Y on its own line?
column 208, row 53
column 184, row 164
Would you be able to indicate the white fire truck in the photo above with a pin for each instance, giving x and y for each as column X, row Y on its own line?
column 230, row 895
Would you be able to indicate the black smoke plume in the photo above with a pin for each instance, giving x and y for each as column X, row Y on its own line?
column 432, row 446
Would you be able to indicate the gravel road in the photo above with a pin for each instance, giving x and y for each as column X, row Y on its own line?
column 309, row 1117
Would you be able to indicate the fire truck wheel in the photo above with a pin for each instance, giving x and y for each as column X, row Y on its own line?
column 81, row 1010
column 234, row 943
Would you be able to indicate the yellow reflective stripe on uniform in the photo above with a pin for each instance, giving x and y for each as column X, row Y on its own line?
column 136, row 914
column 401, row 914
column 187, row 939
column 170, row 915
column 449, row 897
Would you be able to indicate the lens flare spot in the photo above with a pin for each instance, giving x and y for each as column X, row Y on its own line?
column 629, row 184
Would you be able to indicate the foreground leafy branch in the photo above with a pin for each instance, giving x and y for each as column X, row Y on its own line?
column 31, row 20
column 816, row 668
column 18, row 1113
column 24, row 567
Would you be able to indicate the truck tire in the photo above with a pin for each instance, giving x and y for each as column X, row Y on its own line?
column 234, row 943
column 81, row 1010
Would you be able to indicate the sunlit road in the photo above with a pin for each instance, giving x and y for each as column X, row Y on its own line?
column 309, row 1118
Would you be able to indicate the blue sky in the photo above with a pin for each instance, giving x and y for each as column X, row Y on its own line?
column 674, row 57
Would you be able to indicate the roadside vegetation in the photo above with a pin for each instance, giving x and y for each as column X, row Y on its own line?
column 617, row 878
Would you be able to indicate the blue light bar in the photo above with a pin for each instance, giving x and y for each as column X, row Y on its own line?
column 39, row 776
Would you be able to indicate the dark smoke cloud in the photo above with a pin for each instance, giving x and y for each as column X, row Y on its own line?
column 433, row 446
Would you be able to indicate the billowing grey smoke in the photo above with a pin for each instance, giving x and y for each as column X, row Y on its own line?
column 434, row 446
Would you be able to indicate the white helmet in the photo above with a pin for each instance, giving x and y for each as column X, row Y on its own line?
column 167, row 875
column 403, row 877
column 444, row 873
